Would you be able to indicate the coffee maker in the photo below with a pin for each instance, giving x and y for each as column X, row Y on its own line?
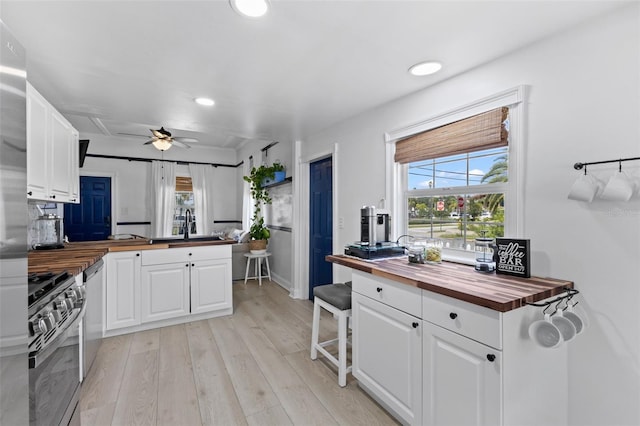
column 375, row 226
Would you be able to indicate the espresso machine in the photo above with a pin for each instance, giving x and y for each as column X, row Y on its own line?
column 375, row 236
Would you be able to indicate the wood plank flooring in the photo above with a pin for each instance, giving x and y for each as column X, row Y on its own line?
column 249, row 368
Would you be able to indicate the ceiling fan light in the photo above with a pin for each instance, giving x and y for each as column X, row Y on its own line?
column 425, row 68
column 162, row 144
column 205, row 101
column 250, row 8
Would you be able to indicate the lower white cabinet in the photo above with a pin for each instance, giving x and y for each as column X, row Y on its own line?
column 461, row 379
column 165, row 291
column 123, row 289
column 159, row 287
column 451, row 362
column 211, row 285
column 387, row 356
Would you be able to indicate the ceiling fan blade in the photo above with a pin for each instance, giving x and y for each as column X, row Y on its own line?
column 158, row 134
column 131, row 134
column 150, row 141
column 180, row 144
column 188, row 140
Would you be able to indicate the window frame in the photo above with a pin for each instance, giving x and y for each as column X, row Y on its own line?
column 396, row 176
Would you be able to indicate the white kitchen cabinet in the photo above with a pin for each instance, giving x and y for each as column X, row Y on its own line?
column 387, row 346
column 123, row 289
column 52, row 152
column 211, row 285
column 461, row 379
column 476, row 366
column 197, row 281
column 165, row 291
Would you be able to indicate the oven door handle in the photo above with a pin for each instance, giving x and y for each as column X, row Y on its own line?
column 41, row 356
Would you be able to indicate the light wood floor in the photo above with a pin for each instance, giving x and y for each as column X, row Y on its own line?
column 250, row 368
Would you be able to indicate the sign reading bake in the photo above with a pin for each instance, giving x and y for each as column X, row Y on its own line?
column 513, row 257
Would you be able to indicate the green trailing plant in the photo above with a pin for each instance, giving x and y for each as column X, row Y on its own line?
column 260, row 195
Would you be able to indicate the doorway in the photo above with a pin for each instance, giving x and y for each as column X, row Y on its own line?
column 320, row 223
column 91, row 219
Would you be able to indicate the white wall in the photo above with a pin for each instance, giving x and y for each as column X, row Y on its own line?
column 281, row 241
column 583, row 106
column 130, row 186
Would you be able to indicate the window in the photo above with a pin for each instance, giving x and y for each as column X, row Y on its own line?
column 457, row 198
column 184, row 201
column 454, row 176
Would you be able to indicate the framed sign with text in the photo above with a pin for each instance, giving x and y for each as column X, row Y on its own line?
column 513, row 257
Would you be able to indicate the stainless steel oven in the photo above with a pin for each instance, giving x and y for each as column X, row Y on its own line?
column 56, row 309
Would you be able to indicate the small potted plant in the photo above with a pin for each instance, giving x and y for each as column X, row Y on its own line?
column 278, row 171
column 258, row 232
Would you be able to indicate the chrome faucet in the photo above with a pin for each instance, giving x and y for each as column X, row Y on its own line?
column 187, row 223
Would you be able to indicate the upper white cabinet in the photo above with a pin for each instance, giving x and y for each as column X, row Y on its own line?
column 52, row 152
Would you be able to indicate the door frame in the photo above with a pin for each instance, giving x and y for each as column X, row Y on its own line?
column 301, row 190
column 114, row 207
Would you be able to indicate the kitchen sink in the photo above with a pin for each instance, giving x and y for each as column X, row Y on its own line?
column 180, row 238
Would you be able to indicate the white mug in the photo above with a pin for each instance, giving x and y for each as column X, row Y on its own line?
column 566, row 326
column 545, row 334
column 570, row 314
column 585, row 188
column 619, row 188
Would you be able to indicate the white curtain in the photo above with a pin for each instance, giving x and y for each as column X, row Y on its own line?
column 202, row 180
column 163, row 182
column 247, row 201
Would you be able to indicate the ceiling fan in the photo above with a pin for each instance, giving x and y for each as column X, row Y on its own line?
column 162, row 139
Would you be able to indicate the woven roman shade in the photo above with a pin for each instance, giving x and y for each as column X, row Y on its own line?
column 482, row 131
column 183, row 184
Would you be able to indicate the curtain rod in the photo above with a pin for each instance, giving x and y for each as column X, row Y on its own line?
column 148, row 160
column 579, row 166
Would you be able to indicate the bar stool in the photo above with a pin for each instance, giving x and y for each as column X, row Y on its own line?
column 335, row 298
column 258, row 266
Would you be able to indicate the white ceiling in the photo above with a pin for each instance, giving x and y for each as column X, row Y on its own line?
column 135, row 65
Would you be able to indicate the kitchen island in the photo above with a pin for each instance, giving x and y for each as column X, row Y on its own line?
column 444, row 344
column 149, row 285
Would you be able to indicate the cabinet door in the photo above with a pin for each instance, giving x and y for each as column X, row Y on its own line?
column 74, row 168
column 210, row 285
column 37, row 146
column 60, row 157
column 387, row 356
column 165, row 291
column 462, row 379
column 123, row 289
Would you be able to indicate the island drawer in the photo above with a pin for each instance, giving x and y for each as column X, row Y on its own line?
column 475, row 322
column 400, row 296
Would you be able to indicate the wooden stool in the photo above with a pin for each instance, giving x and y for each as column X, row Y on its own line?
column 258, row 266
column 335, row 298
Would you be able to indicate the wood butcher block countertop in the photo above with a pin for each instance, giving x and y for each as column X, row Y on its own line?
column 498, row 292
column 76, row 257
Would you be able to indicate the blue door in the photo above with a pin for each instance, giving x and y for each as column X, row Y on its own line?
column 321, row 224
column 91, row 219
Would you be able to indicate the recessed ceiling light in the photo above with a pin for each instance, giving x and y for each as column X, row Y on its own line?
column 205, row 101
column 250, row 8
column 425, row 68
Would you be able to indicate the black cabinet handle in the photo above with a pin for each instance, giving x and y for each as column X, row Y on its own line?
column 491, row 357
column 414, row 325
column 53, row 196
column 453, row 315
column 379, row 289
column 193, row 264
column 189, row 254
column 137, row 254
column 187, row 265
column 30, row 193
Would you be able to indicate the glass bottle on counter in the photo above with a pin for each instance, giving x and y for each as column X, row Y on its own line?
column 433, row 250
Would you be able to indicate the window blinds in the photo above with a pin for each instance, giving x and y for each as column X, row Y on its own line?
column 183, row 184
column 482, row 131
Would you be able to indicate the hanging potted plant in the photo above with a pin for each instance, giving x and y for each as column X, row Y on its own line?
column 258, row 232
